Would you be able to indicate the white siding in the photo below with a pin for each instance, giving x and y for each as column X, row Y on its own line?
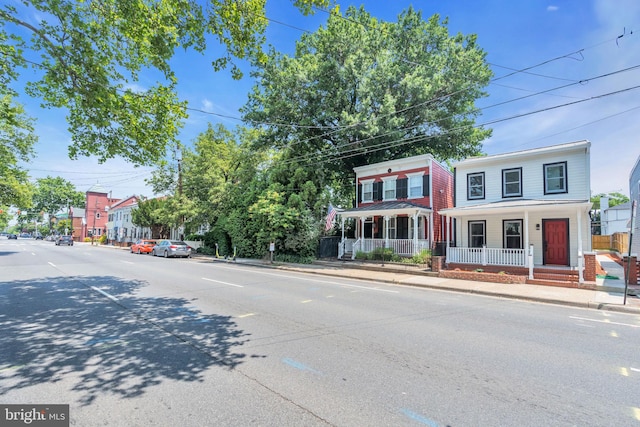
column 532, row 177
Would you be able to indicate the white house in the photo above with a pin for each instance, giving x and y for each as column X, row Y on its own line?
column 522, row 209
column 614, row 219
column 634, row 194
column 120, row 228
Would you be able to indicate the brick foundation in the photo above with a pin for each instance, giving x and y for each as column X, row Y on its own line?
column 590, row 266
column 478, row 276
column 437, row 263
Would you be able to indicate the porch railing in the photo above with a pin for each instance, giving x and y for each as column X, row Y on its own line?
column 487, row 256
column 405, row 247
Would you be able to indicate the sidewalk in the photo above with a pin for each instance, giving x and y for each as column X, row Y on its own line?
column 609, row 293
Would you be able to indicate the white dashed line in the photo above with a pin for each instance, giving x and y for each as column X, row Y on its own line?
column 222, row 283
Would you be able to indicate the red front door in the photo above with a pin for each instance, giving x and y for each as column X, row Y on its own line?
column 556, row 241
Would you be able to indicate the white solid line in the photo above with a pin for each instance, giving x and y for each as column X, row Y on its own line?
column 111, row 297
column 33, row 253
column 223, row 283
column 51, row 264
column 329, row 282
column 607, row 321
column 635, row 369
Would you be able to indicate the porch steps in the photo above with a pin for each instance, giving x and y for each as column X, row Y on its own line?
column 555, row 277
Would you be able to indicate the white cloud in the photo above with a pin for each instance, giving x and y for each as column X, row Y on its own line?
column 552, row 8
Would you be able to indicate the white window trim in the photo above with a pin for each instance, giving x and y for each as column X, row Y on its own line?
column 415, row 175
column 564, row 178
column 386, row 181
column 367, row 182
column 504, row 182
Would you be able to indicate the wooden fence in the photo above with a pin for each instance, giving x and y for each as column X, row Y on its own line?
column 619, row 242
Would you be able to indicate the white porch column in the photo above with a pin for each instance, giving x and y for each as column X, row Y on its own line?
column 446, row 232
column 526, row 237
column 415, row 233
column 580, row 259
column 431, row 230
column 362, row 220
column 386, row 231
column 342, row 226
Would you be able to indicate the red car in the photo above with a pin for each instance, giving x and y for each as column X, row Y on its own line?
column 143, row 246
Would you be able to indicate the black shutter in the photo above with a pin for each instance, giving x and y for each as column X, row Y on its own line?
column 359, row 194
column 425, row 185
column 377, row 189
column 401, row 188
column 402, row 227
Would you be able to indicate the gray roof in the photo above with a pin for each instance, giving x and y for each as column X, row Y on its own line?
column 97, row 188
column 386, row 208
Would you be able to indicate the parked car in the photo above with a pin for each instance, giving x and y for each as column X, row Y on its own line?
column 143, row 246
column 64, row 240
column 38, row 236
column 12, row 236
column 171, row 248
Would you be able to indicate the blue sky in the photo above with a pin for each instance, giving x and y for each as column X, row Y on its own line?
column 566, row 43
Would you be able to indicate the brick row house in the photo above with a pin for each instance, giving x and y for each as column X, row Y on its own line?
column 525, row 212
column 397, row 206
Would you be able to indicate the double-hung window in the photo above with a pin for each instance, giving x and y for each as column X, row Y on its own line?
column 389, row 188
column 477, row 234
column 367, row 191
column 475, row 186
column 512, row 233
column 555, row 178
column 415, row 185
column 512, row 182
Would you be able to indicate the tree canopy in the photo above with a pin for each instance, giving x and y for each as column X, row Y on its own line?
column 360, row 91
column 89, row 57
column 16, row 146
column 55, row 194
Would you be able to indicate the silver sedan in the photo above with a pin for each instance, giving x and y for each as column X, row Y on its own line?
column 171, row 248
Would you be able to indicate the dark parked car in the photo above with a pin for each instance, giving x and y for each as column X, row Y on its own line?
column 64, row 240
column 171, row 248
column 12, row 236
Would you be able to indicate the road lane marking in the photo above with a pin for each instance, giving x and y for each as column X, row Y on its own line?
column 246, row 315
column 127, row 262
column 635, row 369
column 636, row 413
column 111, row 297
column 300, row 366
column 33, row 253
column 306, row 301
column 607, row 321
column 291, row 276
column 624, row 372
column 222, row 283
column 419, row 418
column 51, row 264
column 614, row 334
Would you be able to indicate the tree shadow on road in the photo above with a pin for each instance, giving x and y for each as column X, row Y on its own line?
column 61, row 328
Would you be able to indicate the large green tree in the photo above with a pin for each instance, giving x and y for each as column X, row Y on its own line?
column 91, row 53
column 16, row 147
column 360, row 91
column 55, row 194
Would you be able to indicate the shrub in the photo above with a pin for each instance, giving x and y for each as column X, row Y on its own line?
column 295, row 259
column 361, row 256
column 87, row 239
column 103, row 239
column 424, row 257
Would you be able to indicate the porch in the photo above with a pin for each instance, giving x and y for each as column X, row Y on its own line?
column 404, row 227
column 348, row 248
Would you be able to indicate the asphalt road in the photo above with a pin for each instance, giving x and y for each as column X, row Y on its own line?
column 133, row 340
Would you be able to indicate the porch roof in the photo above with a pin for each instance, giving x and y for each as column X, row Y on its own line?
column 515, row 206
column 386, row 208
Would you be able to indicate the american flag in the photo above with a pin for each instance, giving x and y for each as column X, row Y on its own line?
column 330, row 217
